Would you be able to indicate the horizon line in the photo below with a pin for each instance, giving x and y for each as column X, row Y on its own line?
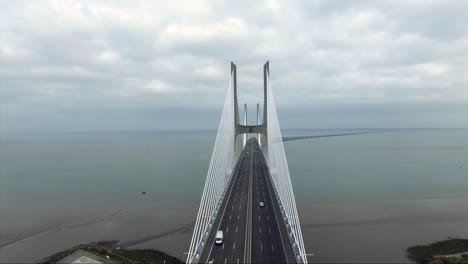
column 214, row 130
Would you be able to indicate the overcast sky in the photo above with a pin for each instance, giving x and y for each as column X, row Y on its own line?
column 150, row 65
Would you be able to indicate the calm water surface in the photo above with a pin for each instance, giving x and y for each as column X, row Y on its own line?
column 361, row 198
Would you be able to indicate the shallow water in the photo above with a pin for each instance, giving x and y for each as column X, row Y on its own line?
column 361, row 198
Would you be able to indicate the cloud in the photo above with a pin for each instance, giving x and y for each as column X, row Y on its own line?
column 64, row 57
column 157, row 86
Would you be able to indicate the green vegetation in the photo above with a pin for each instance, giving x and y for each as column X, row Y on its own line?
column 425, row 254
column 458, row 261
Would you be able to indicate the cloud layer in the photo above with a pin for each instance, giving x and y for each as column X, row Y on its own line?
column 132, row 65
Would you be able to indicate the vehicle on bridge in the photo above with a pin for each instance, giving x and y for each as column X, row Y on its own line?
column 261, row 204
column 219, row 237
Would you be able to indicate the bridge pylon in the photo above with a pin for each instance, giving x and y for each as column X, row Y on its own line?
column 259, row 129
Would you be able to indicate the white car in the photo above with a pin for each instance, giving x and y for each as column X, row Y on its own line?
column 219, row 237
column 261, row 204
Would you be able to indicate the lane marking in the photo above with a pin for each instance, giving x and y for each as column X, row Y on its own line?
column 270, row 190
column 234, row 246
column 229, row 193
column 225, row 260
column 269, row 230
column 230, row 217
column 248, row 223
column 236, row 229
column 268, row 217
column 260, row 230
column 261, row 246
column 238, row 217
column 237, row 260
column 223, row 247
column 227, row 229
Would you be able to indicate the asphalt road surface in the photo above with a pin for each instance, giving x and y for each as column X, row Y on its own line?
column 252, row 234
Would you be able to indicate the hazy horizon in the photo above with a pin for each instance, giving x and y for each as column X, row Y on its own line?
column 214, row 130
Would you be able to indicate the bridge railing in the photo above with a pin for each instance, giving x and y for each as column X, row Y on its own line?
column 279, row 172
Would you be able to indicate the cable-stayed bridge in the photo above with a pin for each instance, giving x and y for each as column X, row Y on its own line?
column 243, row 173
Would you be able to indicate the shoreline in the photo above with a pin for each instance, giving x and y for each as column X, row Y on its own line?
column 450, row 250
column 111, row 251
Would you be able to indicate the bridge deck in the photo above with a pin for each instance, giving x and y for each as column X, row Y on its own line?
column 251, row 234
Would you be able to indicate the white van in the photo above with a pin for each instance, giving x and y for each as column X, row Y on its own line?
column 219, row 237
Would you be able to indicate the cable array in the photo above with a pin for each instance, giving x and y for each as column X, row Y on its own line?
column 279, row 172
column 217, row 179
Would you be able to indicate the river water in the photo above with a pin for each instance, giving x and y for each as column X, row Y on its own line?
column 360, row 198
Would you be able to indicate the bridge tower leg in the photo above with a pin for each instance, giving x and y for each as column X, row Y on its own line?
column 258, row 123
column 245, row 124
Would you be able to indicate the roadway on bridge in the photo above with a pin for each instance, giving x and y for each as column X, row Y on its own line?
column 252, row 234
